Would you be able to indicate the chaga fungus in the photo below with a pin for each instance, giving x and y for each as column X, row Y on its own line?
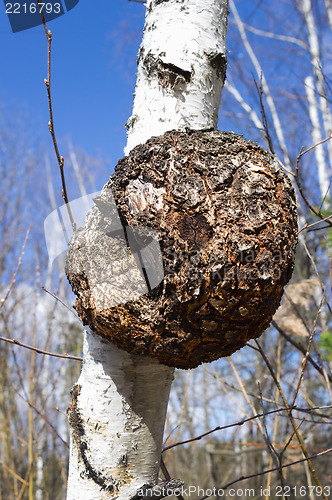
column 225, row 217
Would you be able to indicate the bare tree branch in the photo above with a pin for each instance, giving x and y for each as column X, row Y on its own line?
column 47, row 81
column 46, row 420
column 291, row 419
column 12, row 283
column 237, row 424
column 40, row 351
column 274, row 36
column 302, row 152
column 300, row 348
column 274, row 469
column 61, row 301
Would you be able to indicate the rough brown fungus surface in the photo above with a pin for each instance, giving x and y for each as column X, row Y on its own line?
column 224, row 214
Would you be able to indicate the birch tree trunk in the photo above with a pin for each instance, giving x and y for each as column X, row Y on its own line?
column 314, row 50
column 118, row 406
column 323, row 176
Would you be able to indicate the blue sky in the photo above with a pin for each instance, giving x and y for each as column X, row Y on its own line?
column 94, row 52
column 93, row 73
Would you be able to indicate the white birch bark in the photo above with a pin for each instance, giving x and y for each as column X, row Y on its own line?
column 323, row 178
column 39, row 475
column 328, row 5
column 117, row 416
column 314, row 49
column 176, row 86
column 118, row 406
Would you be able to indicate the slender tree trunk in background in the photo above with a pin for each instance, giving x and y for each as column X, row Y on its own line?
column 118, row 406
column 328, row 5
column 306, row 8
column 322, row 169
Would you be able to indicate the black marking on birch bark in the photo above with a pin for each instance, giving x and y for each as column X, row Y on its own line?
column 219, row 63
column 227, row 228
column 158, row 2
column 131, row 122
column 169, row 75
column 78, row 435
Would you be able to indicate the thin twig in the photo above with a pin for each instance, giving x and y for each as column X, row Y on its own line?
column 164, row 469
column 314, row 146
column 238, row 389
column 305, row 359
column 271, row 449
column 60, row 300
column 224, row 385
column 249, row 402
column 302, row 349
column 275, row 36
column 274, row 469
column 244, row 421
column 302, row 152
column 45, row 419
column 284, row 167
column 268, row 137
column 14, row 474
column 291, row 437
column 317, row 274
column 40, row 351
column 290, row 416
column 12, row 283
column 309, row 226
column 322, row 228
column 47, row 81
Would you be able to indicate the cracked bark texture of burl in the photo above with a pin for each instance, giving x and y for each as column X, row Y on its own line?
column 224, row 214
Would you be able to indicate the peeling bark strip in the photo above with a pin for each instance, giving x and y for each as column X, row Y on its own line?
column 116, row 425
column 225, row 215
column 181, row 68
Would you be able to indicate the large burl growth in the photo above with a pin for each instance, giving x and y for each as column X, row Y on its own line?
column 225, row 216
